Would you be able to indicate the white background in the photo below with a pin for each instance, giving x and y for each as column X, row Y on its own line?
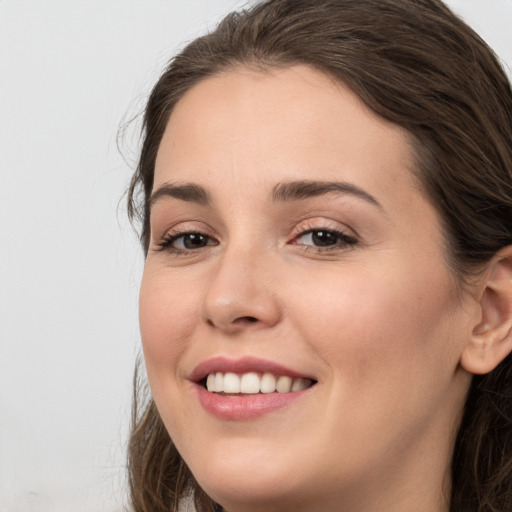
column 71, row 72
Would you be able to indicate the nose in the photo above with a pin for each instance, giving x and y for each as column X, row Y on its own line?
column 241, row 294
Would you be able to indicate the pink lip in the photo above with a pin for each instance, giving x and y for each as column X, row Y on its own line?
column 242, row 365
column 242, row 407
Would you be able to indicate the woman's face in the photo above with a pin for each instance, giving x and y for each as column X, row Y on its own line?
column 290, row 242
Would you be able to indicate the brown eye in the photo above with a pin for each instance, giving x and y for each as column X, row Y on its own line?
column 193, row 240
column 325, row 238
column 180, row 243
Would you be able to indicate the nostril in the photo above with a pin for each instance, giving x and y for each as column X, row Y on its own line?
column 246, row 320
column 241, row 321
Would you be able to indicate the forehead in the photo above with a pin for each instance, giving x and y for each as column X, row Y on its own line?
column 260, row 127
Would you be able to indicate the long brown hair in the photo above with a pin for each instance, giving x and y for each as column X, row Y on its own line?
column 418, row 65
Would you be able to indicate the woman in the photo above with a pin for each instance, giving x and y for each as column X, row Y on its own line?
column 326, row 307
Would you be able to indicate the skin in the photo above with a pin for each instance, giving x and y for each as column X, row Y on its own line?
column 378, row 324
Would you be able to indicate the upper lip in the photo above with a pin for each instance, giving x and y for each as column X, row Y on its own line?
column 242, row 365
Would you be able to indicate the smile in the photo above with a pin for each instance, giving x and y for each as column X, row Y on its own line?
column 247, row 388
column 254, row 383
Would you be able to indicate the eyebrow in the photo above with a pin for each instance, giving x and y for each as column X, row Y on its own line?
column 286, row 191
column 304, row 189
column 185, row 192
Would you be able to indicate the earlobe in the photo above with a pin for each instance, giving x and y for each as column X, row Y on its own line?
column 491, row 337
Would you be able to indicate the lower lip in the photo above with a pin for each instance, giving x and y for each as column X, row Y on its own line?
column 245, row 407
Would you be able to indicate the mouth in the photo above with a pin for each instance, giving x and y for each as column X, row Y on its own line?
column 247, row 388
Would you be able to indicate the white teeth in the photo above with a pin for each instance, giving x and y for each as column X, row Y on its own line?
column 284, row 384
column 210, row 382
column 219, row 382
column 231, row 383
column 268, row 383
column 252, row 383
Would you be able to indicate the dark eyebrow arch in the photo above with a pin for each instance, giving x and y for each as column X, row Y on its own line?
column 304, row 189
column 185, row 192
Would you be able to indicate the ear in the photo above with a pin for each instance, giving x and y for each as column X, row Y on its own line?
column 491, row 337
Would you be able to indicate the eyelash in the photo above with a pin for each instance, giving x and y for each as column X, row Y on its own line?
column 344, row 241
column 167, row 241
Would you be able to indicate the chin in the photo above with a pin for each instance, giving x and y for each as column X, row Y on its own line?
column 252, row 493
column 250, row 481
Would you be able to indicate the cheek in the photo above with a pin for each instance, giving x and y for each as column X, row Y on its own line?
column 168, row 313
column 390, row 353
column 372, row 323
